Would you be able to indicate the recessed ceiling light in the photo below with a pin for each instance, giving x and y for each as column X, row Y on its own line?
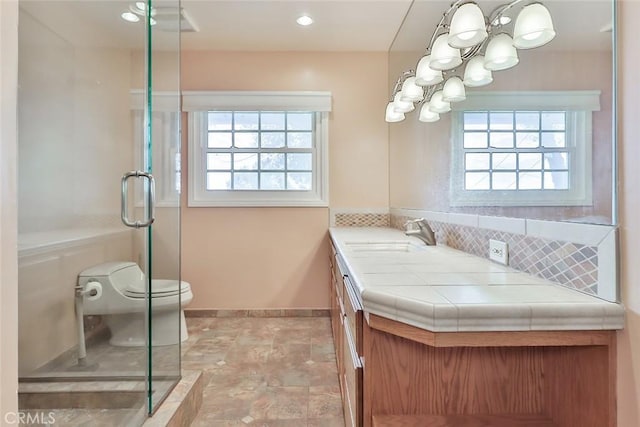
column 304, row 20
column 130, row 17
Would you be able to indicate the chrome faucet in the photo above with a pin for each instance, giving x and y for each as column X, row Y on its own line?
column 424, row 231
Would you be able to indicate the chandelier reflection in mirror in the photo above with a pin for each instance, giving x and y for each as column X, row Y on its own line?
column 465, row 49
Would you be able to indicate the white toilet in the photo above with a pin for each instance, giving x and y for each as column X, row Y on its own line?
column 122, row 303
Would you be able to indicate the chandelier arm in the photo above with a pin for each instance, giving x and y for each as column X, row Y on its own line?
column 500, row 10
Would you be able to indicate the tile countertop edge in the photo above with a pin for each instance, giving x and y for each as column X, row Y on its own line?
column 591, row 314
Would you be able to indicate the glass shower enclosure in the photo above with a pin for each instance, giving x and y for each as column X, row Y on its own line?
column 99, row 193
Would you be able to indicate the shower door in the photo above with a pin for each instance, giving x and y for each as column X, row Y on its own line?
column 99, row 113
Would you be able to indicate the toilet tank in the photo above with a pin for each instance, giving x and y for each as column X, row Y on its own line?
column 121, row 275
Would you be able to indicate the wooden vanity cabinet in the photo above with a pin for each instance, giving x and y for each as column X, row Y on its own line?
column 346, row 322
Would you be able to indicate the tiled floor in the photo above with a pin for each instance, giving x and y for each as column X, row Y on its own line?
column 265, row 371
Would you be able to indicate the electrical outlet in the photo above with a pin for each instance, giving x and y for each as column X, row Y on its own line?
column 499, row 251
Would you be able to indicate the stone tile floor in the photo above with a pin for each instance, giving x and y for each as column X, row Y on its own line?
column 265, row 372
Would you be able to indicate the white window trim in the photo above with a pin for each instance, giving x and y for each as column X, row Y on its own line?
column 199, row 103
column 579, row 106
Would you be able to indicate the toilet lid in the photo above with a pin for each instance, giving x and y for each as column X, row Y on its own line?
column 159, row 288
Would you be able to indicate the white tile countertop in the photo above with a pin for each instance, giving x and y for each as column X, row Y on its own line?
column 441, row 289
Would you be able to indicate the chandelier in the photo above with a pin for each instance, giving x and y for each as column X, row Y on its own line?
column 465, row 48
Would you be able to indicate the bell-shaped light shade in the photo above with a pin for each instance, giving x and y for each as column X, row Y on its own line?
column 467, row 26
column 425, row 76
column 411, row 92
column 500, row 53
column 427, row 115
column 453, row 90
column 391, row 116
column 475, row 75
column 533, row 27
column 443, row 56
column 402, row 106
column 437, row 104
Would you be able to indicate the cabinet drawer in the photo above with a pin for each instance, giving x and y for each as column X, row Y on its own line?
column 352, row 379
column 353, row 313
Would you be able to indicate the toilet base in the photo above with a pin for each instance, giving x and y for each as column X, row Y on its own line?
column 128, row 329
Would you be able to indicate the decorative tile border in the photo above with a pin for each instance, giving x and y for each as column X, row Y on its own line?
column 359, row 217
column 578, row 265
column 258, row 313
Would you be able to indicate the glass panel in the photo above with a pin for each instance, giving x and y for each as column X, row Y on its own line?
column 503, row 160
column 272, row 181
column 475, row 140
column 219, row 140
column 220, row 120
column 553, row 139
column 299, row 161
column 272, row 139
column 246, row 139
column 272, row 121
column 501, row 139
column 299, row 181
column 299, row 139
column 530, row 180
column 476, row 161
column 503, row 180
column 556, row 180
column 245, row 180
column 272, row 161
column 218, row 161
column 246, row 121
column 501, row 121
column 475, row 121
column 218, row 180
column 300, row 121
column 530, row 161
column 527, row 140
column 246, row 161
column 477, row 181
column 553, row 121
column 558, row 160
column 527, row 120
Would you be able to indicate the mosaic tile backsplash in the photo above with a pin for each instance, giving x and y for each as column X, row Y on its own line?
column 569, row 264
column 362, row 220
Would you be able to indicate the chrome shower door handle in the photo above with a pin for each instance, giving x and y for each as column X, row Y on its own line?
column 150, row 200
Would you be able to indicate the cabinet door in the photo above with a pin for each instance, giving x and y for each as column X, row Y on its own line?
column 352, row 378
column 353, row 313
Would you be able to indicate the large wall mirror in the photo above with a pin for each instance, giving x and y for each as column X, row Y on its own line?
column 538, row 142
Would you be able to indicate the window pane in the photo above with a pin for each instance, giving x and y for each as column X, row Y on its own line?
column 272, row 181
column 479, row 161
column 245, row 181
column 501, row 121
column 553, row 121
column 245, row 121
column 475, row 140
column 300, row 121
column 504, row 161
column 476, row 181
column 530, row 161
column 218, row 180
column 553, row 139
column 246, row 139
column 299, row 181
column 527, row 140
column 220, row 120
column 503, row 181
column 502, row 139
column 272, row 139
column 219, row 140
column 245, row 161
column 559, row 160
column 528, row 120
column 299, row 140
column 475, row 121
column 272, row 161
column 530, row 180
column 299, row 161
column 556, row 180
column 218, row 161
column 272, row 121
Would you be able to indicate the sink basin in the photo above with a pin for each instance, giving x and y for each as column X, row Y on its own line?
column 383, row 246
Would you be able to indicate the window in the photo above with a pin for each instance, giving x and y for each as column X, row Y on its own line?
column 522, row 156
column 258, row 157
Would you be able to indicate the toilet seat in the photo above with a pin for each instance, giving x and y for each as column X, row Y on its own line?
column 160, row 288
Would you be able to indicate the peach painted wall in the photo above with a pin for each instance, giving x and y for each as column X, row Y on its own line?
column 420, row 153
column 629, row 134
column 262, row 258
